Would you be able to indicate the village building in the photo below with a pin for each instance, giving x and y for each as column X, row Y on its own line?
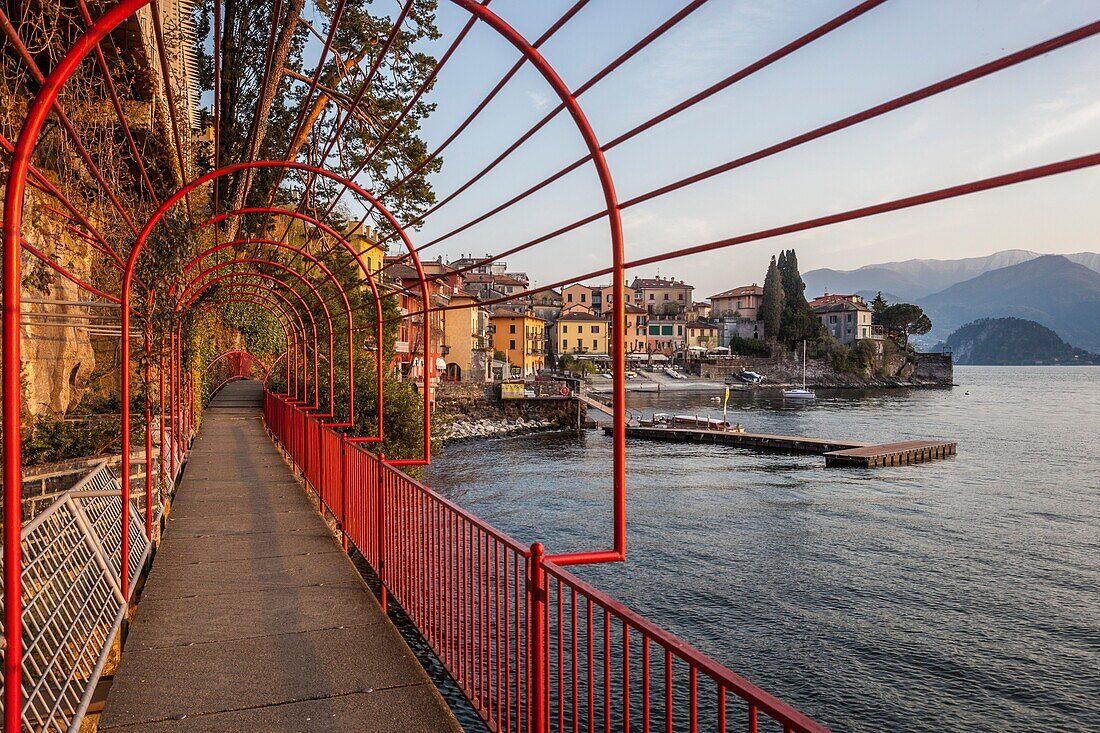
column 581, row 333
column 660, row 295
column 467, row 350
column 666, row 334
column 847, row 321
column 736, row 313
column 521, row 338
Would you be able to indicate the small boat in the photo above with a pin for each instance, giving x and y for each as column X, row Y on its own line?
column 800, row 394
column 748, row 377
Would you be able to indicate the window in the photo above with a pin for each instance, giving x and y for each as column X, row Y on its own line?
column 666, row 330
column 584, row 297
column 570, row 296
column 511, row 344
column 680, row 296
column 832, row 319
column 666, row 296
column 595, row 329
column 595, row 344
column 849, row 318
column 679, row 330
column 565, row 328
column 580, row 329
column 652, row 296
column 654, row 330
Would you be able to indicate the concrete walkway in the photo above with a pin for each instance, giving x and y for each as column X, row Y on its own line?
column 253, row 618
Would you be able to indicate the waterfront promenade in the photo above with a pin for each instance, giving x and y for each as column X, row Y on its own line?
column 253, row 617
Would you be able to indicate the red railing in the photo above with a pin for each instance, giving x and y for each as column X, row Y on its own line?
column 532, row 646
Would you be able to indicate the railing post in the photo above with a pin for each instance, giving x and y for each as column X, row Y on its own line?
column 380, row 529
column 536, row 640
column 343, row 520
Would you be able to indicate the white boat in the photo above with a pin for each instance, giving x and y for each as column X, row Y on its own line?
column 800, row 394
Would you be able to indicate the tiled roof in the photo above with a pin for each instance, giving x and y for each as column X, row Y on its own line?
column 657, row 282
column 743, row 290
column 843, row 305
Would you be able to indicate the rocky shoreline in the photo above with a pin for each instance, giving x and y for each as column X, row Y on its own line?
column 462, row 431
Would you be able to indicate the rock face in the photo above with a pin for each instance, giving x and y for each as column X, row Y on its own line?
column 58, row 359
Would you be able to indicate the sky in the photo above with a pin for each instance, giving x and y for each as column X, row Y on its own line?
column 1044, row 110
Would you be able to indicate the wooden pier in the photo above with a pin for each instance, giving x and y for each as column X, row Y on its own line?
column 837, row 453
column 892, row 454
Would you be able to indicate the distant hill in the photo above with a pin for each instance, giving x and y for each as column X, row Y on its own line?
column 1013, row 341
column 913, row 279
column 1062, row 295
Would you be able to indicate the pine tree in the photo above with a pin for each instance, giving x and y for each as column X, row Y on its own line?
column 771, row 309
column 878, row 307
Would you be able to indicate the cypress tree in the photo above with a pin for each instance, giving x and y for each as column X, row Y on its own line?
column 771, row 309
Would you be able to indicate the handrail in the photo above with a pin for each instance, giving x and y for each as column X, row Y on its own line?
column 483, row 603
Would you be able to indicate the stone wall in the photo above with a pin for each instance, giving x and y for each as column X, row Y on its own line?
column 463, row 401
column 892, row 369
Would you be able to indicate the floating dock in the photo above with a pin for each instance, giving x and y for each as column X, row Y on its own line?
column 892, row 454
column 837, row 453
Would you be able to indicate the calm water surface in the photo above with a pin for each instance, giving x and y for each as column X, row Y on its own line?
column 963, row 594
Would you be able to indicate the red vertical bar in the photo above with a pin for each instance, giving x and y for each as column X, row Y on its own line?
column 721, row 708
column 591, row 646
column 507, row 644
column 668, row 691
column 626, row 676
column 645, row 683
column 536, row 641
column 693, row 704
column 561, row 662
column 497, row 691
column 380, row 528
column 148, row 434
column 606, row 671
column 344, row 472
column 573, row 671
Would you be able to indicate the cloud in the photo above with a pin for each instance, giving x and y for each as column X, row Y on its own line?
column 1070, row 115
column 538, row 101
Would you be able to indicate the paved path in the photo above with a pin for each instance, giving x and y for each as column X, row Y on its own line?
column 252, row 618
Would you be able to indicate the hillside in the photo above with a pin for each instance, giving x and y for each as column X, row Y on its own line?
column 1062, row 295
column 1013, row 341
column 912, row 279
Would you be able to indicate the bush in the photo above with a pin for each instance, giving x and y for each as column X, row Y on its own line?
column 749, row 347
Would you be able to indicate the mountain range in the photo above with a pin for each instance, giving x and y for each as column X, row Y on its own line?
column 912, row 279
column 1061, row 292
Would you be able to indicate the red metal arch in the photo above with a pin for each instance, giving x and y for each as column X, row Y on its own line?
column 347, row 307
column 278, row 309
column 331, row 330
column 304, row 307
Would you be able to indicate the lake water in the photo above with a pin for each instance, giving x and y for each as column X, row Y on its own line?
column 961, row 594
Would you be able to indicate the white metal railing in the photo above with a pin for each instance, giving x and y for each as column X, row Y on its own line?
column 73, row 605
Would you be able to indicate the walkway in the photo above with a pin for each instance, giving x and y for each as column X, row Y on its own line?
column 253, row 618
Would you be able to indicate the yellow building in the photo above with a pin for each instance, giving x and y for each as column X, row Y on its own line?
column 702, row 335
column 520, row 337
column 580, row 333
column 365, row 240
column 466, row 348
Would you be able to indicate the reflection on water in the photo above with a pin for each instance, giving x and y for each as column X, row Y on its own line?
column 955, row 594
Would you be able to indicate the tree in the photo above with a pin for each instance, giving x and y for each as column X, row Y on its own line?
column 797, row 321
column 906, row 320
column 260, row 113
column 771, row 309
column 878, row 305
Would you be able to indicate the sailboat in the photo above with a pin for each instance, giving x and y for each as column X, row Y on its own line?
column 800, row 394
